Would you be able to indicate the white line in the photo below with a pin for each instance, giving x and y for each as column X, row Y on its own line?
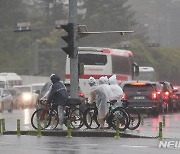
column 134, row 146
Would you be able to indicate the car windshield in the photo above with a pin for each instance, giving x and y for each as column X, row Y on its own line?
column 2, row 84
column 132, row 88
column 24, row 89
column 38, row 87
column 13, row 92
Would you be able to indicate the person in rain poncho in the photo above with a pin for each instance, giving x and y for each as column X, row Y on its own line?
column 102, row 94
column 116, row 89
column 93, row 85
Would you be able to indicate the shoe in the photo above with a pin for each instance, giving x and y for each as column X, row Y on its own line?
column 59, row 127
column 101, row 127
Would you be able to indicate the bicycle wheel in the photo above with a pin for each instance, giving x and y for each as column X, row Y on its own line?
column 119, row 119
column 135, row 118
column 53, row 120
column 45, row 119
column 76, row 118
column 40, row 116
column 90, row 118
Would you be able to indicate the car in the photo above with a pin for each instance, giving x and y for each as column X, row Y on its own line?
column 159, row 90
column 169, row 95
column 28, row 96
column 15, row 95
column 177, row 92
column 67, row 84
column 6, row 100
column 142, row 96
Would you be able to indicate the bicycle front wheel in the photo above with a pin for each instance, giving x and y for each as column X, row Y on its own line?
column 40, row 117
column 76, row 118
column 134, row 117
column 44, row 118
column 90, row 118
column 119, row 119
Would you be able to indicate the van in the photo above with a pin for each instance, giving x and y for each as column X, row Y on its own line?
column 8, row 80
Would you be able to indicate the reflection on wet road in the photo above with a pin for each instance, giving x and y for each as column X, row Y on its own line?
column 149, row 128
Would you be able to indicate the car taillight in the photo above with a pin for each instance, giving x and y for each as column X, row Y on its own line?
column 80, row 94
column 158, row 92
column 154, row 95
column 123, row 96
column 166, row 95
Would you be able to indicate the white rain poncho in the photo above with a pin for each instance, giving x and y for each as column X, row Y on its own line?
column 103, row 94
column 116, row 89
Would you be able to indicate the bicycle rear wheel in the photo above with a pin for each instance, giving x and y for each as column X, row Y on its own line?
column 135, row 118
column 76, row 118
column 119, row 119
column 90, row 118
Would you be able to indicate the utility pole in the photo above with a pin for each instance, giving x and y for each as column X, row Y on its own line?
column 74, row 60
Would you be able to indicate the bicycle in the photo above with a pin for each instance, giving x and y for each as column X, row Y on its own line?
column 47, row 117
column 113, row 116
column 133, row 114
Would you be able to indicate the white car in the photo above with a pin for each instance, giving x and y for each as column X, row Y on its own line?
column 28, row 97
column 6, row 100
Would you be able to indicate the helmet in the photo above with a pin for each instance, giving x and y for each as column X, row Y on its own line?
column 103, row 80
column 92, row 81
column 112, row 80
column 54, row 78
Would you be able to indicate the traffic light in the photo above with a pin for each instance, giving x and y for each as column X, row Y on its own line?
column 69, row 39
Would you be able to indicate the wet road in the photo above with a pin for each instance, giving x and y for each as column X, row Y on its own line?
column 149, row 128
column 12, row 144
column 76, row 145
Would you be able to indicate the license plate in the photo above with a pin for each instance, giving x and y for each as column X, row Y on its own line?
column 139, row 97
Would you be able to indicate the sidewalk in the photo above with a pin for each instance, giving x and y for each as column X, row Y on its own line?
column 80, row 133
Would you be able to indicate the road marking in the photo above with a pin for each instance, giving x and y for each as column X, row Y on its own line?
column 134, row 146
column 89, row 144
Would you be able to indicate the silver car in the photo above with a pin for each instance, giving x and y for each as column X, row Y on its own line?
column 6, row 100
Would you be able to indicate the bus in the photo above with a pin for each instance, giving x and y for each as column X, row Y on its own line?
column 146, row 73
column 103, row 62
column 8, row 80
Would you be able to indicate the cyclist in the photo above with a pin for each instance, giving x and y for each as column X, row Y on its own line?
column 101, row 94
column 58, row 95
column 116, row 89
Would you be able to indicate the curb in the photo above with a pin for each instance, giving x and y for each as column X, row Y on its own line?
column 76, row 133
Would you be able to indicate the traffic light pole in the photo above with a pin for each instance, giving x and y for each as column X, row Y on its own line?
column 74, row 60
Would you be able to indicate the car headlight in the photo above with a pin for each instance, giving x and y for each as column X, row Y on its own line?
column 26, row 96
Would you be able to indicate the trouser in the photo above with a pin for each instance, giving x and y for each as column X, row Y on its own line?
column 61, row 115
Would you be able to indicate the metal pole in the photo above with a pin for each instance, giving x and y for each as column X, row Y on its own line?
column 74, row 61
column 36, row 60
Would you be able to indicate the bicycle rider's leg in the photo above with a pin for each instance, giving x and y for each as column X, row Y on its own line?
column 61, row 116
column 101, row 115
column 101, row 122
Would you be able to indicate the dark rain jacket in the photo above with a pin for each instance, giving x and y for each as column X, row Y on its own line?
column 58, row 93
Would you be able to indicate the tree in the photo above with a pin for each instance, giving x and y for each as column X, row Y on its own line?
column 106, row 15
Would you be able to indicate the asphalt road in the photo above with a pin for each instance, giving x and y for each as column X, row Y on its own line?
column 80, row 145
column 24, row 144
